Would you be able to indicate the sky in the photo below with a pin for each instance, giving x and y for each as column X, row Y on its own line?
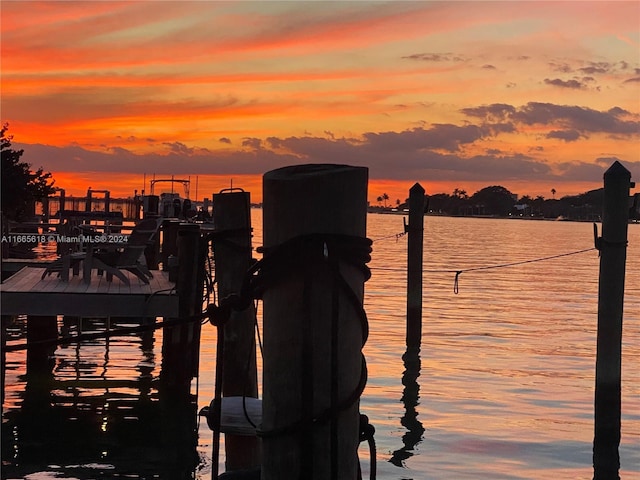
column 532, row 96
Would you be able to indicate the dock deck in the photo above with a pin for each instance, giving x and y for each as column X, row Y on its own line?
column 27, row 294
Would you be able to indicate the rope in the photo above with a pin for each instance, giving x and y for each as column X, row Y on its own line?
column 459, row 272
column 367, row 432
column 397, row 236
column 456, row 282
column 303, row 255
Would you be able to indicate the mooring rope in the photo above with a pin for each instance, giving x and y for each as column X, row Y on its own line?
column 304, row 254
column 397, row 236
column 460, row 271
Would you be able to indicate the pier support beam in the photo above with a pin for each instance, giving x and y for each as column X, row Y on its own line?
column 232, row 251
column 613, row 254
column 39, row 359
column 303, row 346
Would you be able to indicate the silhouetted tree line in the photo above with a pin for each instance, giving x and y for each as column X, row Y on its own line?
column 498, row 201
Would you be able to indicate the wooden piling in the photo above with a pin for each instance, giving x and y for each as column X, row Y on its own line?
column 61, row 203
column 415, row 247
column 300, row 349
column 180, row 343
column 613, row 252
column 40, row 328
column 233, row 257
column 170, row 227
column 152, row 252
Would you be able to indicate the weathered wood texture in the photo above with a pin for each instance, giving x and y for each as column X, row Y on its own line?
column 233, row 257
column 613, row 254
column 26, row 293
column 299, row 200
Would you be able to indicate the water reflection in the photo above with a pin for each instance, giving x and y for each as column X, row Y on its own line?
column 410, row 397
column 97, row 410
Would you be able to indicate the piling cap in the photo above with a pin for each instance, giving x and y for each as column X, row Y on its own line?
column 294, row 172
column 617, row 170
column 417, row 188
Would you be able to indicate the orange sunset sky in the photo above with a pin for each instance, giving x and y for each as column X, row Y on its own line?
column 528, row 95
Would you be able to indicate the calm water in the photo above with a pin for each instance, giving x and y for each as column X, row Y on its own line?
column 504, row 390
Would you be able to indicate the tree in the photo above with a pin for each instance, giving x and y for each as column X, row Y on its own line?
column 496, row 200
column 21, row 187
column 385, row 197
column 460, row 193
column 553, row 193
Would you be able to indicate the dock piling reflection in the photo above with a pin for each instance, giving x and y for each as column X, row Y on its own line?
column 410, row 399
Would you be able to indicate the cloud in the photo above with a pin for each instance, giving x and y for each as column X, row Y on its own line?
column 493, row 112
column 224, row 140
column 439, row 137
column 179, row 148
column 560, row 67
column 253, row 143
column 565, row 83
column 615, row 121
column 592, row 70
column 437, row 57
column 582, row 119
column 566, row 135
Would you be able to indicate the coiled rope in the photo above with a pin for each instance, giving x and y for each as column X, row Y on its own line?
column 304, row 255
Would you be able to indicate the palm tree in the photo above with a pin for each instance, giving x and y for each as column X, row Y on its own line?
column 553, row 193
column 385, row 197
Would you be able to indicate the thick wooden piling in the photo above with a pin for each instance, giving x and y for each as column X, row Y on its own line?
column 301, row 345
column 415, row 231
column 232, row 251
column 613, row 252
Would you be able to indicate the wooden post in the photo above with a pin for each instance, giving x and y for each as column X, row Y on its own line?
column 180, row 343
column 298, row 322
column 150, row 206
column 39, row 356
column 170, row 229
column 45, row 210
column 87, row 204
column 613, row 253
column 232, row 250
column 415, row 231
column 152, row 252
column 61, row 204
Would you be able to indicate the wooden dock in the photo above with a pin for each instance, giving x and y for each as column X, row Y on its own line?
column 26, row 293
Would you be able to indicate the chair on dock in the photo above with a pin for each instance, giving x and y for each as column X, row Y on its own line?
column 112, row 258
